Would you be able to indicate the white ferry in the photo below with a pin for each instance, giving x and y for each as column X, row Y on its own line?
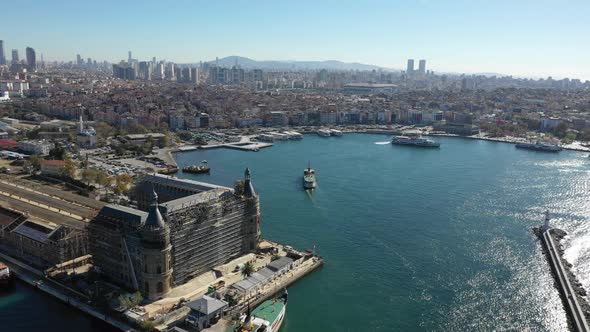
column 309, row 178
column 539, row 146
column 415, row 141
column 267, row 317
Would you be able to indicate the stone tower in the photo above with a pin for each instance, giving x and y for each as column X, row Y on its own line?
column 253, row 204
column 156, row 257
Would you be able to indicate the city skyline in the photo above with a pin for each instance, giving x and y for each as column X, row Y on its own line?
column 529, row 40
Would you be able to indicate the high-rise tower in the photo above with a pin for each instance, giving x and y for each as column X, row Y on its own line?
column 422, row 67
column 31, row 59
column 410, row 67
column 14, row 56
column 2, row 57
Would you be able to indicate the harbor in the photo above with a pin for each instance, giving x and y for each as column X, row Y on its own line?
column 375, row 248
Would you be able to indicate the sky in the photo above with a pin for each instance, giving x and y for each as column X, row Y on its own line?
column 537, row 38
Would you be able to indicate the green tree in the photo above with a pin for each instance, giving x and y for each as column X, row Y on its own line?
column 36, row 162
column 58, row 153
column 70, row 168
column 247, row 269
column 89, row 175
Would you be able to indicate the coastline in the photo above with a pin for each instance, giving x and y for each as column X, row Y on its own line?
column 170, row 152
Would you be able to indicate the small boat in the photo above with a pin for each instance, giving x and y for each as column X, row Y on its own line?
column 324, row 132
column 309, row 178
column 267, row 317
column 539, row 146
column 6, row 276
column 197, row 169
column 335, row 132
column 415, row 141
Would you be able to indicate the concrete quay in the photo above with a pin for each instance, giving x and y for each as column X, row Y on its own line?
column 36, row 278
column 569, row 288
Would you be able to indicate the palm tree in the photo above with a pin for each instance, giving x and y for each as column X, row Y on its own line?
column 247, row 269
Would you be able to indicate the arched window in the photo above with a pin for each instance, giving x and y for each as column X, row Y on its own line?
column 160, row 287
column 147, row 287
column 159, row 269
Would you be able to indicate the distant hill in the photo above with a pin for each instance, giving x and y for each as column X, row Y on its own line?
column 275, row 64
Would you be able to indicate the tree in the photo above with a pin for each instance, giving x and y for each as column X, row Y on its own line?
column 70, row 168
column 36, row 161
column 122, row 183
column 104, row 130
column 247, row 269
column 89, row 175
column 58, row 153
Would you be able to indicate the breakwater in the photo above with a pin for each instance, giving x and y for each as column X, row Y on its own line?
column 571, row 290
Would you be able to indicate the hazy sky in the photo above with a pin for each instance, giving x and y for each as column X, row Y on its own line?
column 519, row 37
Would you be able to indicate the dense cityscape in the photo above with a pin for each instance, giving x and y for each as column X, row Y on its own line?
column 98, row 210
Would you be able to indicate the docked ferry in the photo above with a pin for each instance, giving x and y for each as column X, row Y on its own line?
column 309, row 178
column 414, row 141
column 267, row 317
column 539, row 146
column 197, row 169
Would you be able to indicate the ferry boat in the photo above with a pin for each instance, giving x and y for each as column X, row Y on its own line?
column 335, row 132
column 539, row 146
column 267, row 317
column 6, row 276
column 197, row 169
column 325, row 132
column 415, row 141
column 309, row 178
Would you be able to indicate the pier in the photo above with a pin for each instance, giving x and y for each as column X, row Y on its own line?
column 573, row 304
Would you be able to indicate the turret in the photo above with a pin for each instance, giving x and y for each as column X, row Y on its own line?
column 156, row 249
column 248, row 186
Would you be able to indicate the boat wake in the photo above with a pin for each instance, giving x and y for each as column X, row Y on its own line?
column 382, row 143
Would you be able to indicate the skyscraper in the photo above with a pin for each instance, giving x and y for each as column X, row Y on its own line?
column 31, row 59
column 422, row 67
column 2, row 58
column 14, row 56
column 130, row 57
column 410, row 68
column 79, row 60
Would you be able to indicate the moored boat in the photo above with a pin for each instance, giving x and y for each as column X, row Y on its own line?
column 335, row 132
column 324, row 132
column 414, row 141
column 539, row 146
column 309, row 178
column 6, row 276
column 197, row 169
column 267, row 317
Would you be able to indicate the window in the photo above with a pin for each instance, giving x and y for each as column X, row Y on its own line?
column 160, row 287
column 147, row 287
column 145, row 268
column 159, row 269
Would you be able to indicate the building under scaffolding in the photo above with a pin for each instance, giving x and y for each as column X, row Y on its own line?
column 41, row 243
column 189, row 228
